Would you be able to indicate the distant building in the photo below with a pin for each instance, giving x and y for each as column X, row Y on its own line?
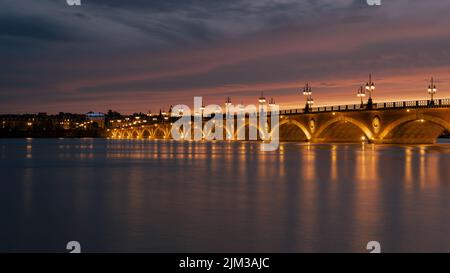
column 96, row 117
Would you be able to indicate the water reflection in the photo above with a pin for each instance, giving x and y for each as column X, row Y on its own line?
column 167, row 196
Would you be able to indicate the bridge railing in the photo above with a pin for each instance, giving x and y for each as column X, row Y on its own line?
column 383, row 105
column 414, row 104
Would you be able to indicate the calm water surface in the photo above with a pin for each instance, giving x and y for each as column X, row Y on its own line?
column 157, row 196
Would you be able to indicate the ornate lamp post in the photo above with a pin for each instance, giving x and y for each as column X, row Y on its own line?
column 361, row 94
column 370, row 87
column 262, row 102
column 227, row 105
column 262, row 99
column 307, row 91
column 271, row 103
column 431, row 91
column 310, row 103
column 164, row 115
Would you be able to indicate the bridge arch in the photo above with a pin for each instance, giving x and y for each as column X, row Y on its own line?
column 293, row 123
column 135, row 134
column 247, row 124
column 206, row 133
column 161, row 132
column 414, row 129
column 350, row 129
column 146, row 134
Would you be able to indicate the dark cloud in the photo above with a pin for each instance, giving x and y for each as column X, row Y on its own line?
column 164, row 50
column 31, row 27
column 165, row 22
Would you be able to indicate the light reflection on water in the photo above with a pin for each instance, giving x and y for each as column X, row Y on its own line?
column 167, row 196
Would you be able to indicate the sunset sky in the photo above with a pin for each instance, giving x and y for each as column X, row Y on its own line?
column 140, row 55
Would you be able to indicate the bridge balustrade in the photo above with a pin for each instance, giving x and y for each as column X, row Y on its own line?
column 410, row 103
column 422, row 103
column 349, row 107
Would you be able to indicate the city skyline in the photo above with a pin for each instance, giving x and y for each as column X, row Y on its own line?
column 140, row 56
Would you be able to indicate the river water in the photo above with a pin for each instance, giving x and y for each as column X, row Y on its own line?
column 167, row 196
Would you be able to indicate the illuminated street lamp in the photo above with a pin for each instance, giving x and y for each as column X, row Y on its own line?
column 164, row 115
column 271, row 103
column 310, row 103
column 431, row 91
column 262, row 99
column 262, row 102
column 361, row 94
column 307, row 91
column 227, row 105
column 370, row 87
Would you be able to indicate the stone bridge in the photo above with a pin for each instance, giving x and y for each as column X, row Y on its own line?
column 408, row 122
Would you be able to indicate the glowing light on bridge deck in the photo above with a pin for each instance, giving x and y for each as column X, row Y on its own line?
column 262, row 99
column 432, row 89
column 271, row 103
column 307, row 91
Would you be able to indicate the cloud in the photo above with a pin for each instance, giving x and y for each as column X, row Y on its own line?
column 140, row 54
